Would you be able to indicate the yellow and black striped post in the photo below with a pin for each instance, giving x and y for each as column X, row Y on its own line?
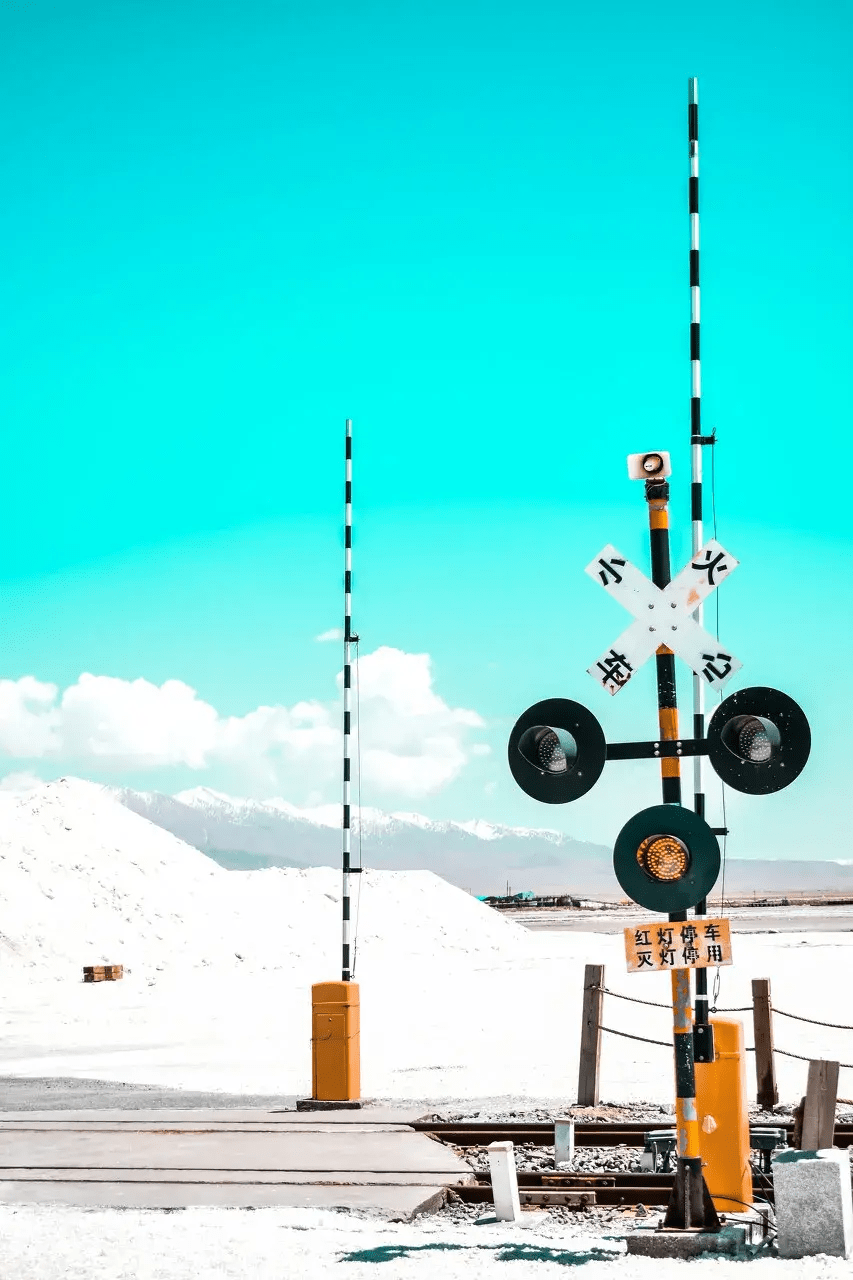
column 690, row 1206
column 657, row 497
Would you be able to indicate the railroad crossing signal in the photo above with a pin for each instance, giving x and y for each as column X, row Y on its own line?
column 757, row 741
column 666, row 858
column 663, row 616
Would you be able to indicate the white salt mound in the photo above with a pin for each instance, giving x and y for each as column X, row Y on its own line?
column 84, row 880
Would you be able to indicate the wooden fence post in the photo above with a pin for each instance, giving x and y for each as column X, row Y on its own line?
column 762, row 1025
column 593, row 1001
column 819, row 1109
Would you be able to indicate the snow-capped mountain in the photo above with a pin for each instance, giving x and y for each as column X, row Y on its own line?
column 476, row 855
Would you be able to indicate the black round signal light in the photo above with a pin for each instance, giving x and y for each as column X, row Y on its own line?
column 557, row 751
column 666, row 858
column 758, row 740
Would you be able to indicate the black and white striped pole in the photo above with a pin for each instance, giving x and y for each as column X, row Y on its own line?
column 349, row 641
column 703, row 1031
column 695, row 412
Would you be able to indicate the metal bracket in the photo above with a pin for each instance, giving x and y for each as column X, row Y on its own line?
column 704, row 440
column 690, row 1206
column 703, row 1042
column 657, row 750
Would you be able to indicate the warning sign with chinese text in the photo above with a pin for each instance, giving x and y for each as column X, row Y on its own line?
column 688, row 944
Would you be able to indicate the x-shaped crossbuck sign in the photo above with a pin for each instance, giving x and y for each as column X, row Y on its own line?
column 663, row 616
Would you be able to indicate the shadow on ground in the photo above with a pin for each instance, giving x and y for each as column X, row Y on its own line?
column 502, row 1252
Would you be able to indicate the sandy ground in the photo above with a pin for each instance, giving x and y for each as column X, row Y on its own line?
column 488, row 1027
column 274, row 1244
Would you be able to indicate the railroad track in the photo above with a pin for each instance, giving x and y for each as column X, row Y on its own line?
column 584, row 1190
column 603, row 1134
column 576, row 1190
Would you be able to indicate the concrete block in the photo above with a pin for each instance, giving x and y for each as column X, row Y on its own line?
column 237, row 1158
column 504, row 1181
column 814, row 1204
column 732, row 1239
column 564, row 1142
column 396, row 1203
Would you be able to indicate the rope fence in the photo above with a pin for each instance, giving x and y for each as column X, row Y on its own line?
column 750, row 1048
column 657, row 1004
column 667, row 1044
column 761, row 1009
column 786, row 1053
column 836, row 1026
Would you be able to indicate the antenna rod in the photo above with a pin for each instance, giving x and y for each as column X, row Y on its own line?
column 349, row 639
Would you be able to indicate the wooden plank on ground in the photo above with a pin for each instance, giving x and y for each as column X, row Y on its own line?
column 102, row 972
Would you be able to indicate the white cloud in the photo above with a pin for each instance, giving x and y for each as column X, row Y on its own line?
column 29, row 720
column 22, row 781
column 134, row 722
column 412, row 742
column 334, row 633
column 273, row 744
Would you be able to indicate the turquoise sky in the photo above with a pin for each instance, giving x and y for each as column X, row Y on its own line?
column 229, row 226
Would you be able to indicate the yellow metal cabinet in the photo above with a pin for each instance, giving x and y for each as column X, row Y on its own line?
column 335, row 1044
column 721, row 1105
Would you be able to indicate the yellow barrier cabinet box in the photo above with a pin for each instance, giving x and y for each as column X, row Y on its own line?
column 722, row 1109
column 335, row 1042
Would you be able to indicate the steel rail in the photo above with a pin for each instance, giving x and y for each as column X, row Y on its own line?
column 584, row 1190
column 589, row 1134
